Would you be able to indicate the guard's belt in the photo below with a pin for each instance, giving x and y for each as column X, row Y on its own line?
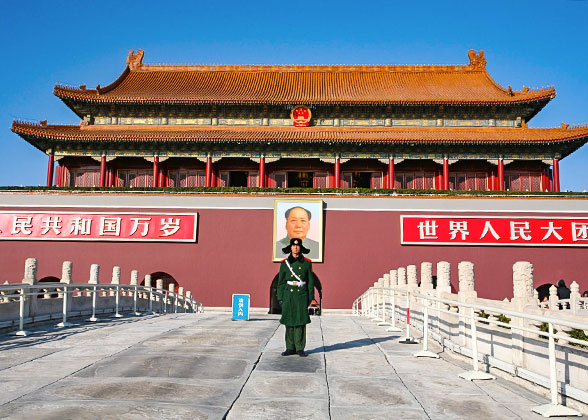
column 296, row 283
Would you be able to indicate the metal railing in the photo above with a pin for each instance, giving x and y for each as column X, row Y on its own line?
column 381, row 304
column 163, row 301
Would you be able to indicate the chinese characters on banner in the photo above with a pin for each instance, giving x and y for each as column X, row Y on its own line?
column 475, row 230
column 146, row 227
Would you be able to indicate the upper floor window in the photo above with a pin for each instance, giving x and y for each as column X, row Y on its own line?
column 185, row 178
column 414, row 180
column 84, row 177
column 523, row 181
column 134, row 178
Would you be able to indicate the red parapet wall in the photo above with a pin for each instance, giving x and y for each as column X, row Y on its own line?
column 233, row 251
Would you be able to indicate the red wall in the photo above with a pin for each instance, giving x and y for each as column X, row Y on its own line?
column 234, row 247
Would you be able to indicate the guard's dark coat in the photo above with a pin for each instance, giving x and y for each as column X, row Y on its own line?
column 295, row 300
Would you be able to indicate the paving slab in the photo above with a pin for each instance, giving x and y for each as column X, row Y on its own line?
column 267, row 384
column 159, row 390
column 273, row 408
column 377, row 413
column 108, row 411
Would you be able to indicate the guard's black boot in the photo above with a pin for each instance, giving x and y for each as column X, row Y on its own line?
column 288, row 352
column 301, row 353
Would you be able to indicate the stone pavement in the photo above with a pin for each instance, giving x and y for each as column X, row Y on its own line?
column 205, row 366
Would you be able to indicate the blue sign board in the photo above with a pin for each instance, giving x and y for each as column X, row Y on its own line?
column 241, row 307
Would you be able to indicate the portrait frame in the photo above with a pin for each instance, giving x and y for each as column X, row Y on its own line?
column 314, row 236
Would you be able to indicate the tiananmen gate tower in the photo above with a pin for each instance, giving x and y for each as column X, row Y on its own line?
column 332, row 129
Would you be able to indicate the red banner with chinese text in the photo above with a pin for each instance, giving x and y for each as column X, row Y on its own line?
column 476, row 230
column 142, row 227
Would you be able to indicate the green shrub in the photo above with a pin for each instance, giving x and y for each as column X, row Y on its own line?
column 545, row 328
column 504, row 319
column 329, row 191
column 484, row 315
column 578, row 335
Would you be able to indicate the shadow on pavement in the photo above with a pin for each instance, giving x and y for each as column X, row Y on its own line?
column 352, row 344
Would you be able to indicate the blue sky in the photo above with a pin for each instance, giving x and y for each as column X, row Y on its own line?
column 532, row 43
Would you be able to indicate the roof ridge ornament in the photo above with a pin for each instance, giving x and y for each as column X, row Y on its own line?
column 135, row 60
column 477, row 61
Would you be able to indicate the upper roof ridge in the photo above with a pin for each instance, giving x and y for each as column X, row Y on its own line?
column 307, row 68
column 135, row 63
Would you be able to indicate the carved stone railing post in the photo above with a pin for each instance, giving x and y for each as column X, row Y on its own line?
column 183, row 302
column 522, row 284
column 133, row 282
column 173, row 300
column 380, row 295
column 426, row 285
column 66, row 277
column 30, row 272
column 426, row 276
column 466, row 279
column 189, row 299
column 385, row 296
column 553, row 299
column 412, row 280
column 443, row 277
column 134, row 279
column 94, row 274
column 30, row 277
column 401, row 276
column 115, row 278
column 393, row 278
column 66, row 272
column 116, row 291
column 574, row 296
column 159, row 298
column 134, row 292
column 523, row 300
column 393, row 300
column 466, row 291
column 443, row 286
column 147, row 283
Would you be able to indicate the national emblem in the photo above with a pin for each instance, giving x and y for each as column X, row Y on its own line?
column 300, row 116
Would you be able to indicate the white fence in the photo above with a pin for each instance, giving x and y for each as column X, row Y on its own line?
column 31, row 302
column 518, row 337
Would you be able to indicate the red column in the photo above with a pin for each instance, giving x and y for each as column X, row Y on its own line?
column 103, row 171
column 161, row 178
column 50, row 169
column 208, row 171
column 261, row 174
column 391, row 173
column 492, row 180
column 438, row 184
column 214, row 177
column 109, row 177
column 545, row 180
column 556, row 175
column 337, row 172
column 445, row 174
column 155, row 170
column 500, row 175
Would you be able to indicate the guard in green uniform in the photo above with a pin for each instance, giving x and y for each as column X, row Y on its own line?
column 295, row 292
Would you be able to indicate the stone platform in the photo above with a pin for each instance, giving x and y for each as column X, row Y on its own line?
column 205, row 366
